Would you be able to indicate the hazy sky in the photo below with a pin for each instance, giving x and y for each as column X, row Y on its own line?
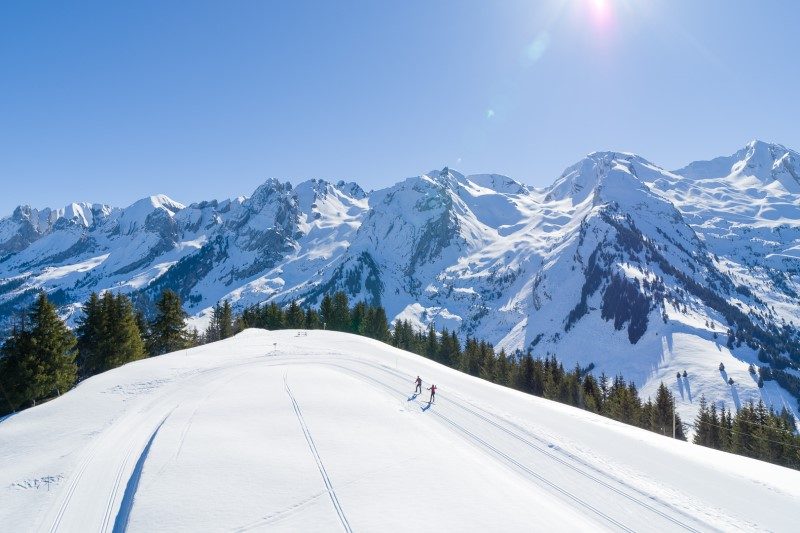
column 112, row 101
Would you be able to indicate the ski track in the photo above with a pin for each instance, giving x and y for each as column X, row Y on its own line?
column 106, row 444
column 331, row 492
column 568, row 459
column 207, row 376
column 516, row 465
column 126, row 506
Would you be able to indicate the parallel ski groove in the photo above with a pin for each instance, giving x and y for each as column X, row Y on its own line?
column 313, row 447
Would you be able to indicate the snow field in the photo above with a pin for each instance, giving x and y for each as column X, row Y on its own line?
column 322, row 434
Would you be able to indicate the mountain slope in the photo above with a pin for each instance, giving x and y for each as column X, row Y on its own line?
column 317, row 432
column 619, row 264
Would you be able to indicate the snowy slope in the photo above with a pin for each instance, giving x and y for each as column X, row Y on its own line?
column 319, row 432
column 604, row 267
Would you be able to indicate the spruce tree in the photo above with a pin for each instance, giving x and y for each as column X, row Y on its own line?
column 225, row 321
column 17, row 367
column 295, row 317
column 168, row 329
column 661, row 419
column 431, row 343
column 212, row 331
column 123, row 341
column 312, row 320
column 357, row 317
column 53, row 345
column 701, row 424
column 326, row 312
column 502, row 371
column 91, row 334
column 274, row 317
column 39, row 362
column 340, row 319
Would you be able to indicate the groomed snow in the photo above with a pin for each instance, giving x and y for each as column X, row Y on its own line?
column 317, row 431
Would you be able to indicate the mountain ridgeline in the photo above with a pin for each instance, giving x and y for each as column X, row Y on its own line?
column 620, row 263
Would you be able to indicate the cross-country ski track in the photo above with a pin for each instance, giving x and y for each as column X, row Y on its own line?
column 322, row 433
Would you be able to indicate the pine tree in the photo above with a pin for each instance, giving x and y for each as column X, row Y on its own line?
column 376, row 325
column 663, row 408
column 431, row 343
column 144, row 327
column 502, row 372
column 123, row 341
column 340, row 317
column 295, row 317
column 91, row 333
column 53, row 345
column 225, row 320
column 212, row 333
column 38, row 362
column 276, row 318
column 312, row 319
column 326, row 312
column 487, row 362
column 714, row 437
column 701, row 427
column 357, row 317
column 168, row 329
column 524, row 378
column 17, row 368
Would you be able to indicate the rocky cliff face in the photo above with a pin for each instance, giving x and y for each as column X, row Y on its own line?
column 619, row 263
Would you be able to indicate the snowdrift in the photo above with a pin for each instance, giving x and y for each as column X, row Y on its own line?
column 319, row 431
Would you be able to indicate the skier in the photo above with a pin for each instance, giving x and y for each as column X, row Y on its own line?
column 432, row 388
column 418, row 389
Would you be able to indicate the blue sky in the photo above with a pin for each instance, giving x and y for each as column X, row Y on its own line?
column 111, row 101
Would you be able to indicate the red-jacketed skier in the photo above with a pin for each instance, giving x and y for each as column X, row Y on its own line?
column 432, row 388
column 418, row 389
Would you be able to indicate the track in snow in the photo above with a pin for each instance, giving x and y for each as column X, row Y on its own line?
column 112, row 451
column 313, row 447
column 585, row 487
column 121, row 521
column 525, row 470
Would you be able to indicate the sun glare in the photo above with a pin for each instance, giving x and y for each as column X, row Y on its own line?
column 599, row 13
column 601, row 10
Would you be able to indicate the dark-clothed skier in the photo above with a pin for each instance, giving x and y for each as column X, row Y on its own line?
column 432, row 388
column 418, row 389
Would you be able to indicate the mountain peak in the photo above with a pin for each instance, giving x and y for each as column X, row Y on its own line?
column 582, row 179
column 768, row 162
column 156, row 201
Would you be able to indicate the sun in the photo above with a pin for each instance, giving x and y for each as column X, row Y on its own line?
column 600, row 11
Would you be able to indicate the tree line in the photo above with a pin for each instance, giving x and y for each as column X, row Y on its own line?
column 614, row 398
column 754, row 431
column 42, row 358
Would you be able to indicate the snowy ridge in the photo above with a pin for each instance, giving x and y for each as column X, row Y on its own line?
column 238, row 435
column 620, row 263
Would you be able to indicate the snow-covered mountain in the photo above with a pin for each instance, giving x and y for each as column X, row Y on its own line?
column 280, row 431
column 619, row 263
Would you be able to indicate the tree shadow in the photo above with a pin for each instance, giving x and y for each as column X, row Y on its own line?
column 736, row 401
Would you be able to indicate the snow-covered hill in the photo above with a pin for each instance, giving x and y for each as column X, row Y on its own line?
column 619, row 263
column 319, row 431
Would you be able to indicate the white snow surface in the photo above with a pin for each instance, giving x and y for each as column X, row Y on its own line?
column 319, row 431
column 481, row 254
